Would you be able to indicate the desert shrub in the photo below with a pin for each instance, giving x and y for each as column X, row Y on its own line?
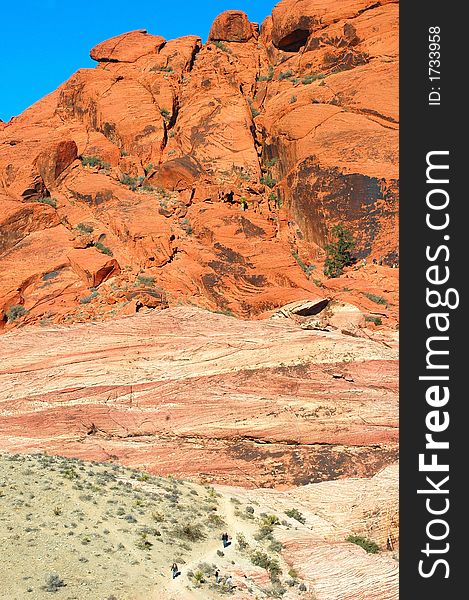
column 165, row 113
column 215, row 521
column 207, row 568
column 102, row 248
column 242, row 174
column 148, row 281
column 376, row 320
column 94, row 161
column 47, row 200
column 307, row 79
column 293, row 99
column 53, row 582
column 164, row 69
column 269, row 76
column 147, row 188
column 50, row 275
column 271, row 162
column 275, row 546
column 275, row 591
column 263, row 560
column 15, row 312
column 242, row 542
column 198, row 578
column 243, row 203
column 254, row 111
column 89, row 298
column 143, row 543
column 305, row 268
column 84, row 228
column 130, row 519
column 249, row 509
column 293, row 573
column 276, row 199
column 190, row 531
column 338, row 252
column 264, row 532
column 367, row 545
column 270, row 520
column 285, row 75
column 221, row 46
column 186, row 225
column 268, row 180
column 131, row 182
column 294, row 513
column 376, row 299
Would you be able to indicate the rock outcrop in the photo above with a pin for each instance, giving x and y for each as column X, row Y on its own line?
column 231, row 26
column 127, row 47
column 196, row 394
column 213, row 172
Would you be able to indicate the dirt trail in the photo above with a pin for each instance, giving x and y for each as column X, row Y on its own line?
column 207, row 553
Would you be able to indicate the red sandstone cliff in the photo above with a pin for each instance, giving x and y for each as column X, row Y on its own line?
column 177, row 171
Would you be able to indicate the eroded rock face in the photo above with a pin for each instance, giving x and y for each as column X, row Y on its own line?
column 334, row 568
column 217, row 170
column 274, row 404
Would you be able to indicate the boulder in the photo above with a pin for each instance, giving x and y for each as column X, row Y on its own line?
column 92, row 267
column 18, row 220
column 177, row 174
column 54, row 159
column 127, row 47
column 231, row 26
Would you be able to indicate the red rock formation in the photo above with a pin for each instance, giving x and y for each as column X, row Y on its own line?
column 218, row 168
column 191, row 393
column 92, row 266
column 231, row 26
column 127, row 47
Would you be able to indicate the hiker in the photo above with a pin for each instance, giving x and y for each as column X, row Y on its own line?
column 229, row 581
column 225, row 540
column 217, row 576
column 175, row 570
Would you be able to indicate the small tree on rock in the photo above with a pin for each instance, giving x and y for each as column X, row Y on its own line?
column 339, row 252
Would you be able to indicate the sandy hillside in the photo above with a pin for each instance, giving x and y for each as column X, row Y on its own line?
column 78, row 530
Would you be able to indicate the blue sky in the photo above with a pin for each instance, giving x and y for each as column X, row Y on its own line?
column 42, row 42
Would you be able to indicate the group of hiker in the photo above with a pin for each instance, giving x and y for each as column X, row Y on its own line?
column 227, row 580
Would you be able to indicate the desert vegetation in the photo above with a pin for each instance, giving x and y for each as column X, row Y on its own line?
column 90, row 530
column 339, row 251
